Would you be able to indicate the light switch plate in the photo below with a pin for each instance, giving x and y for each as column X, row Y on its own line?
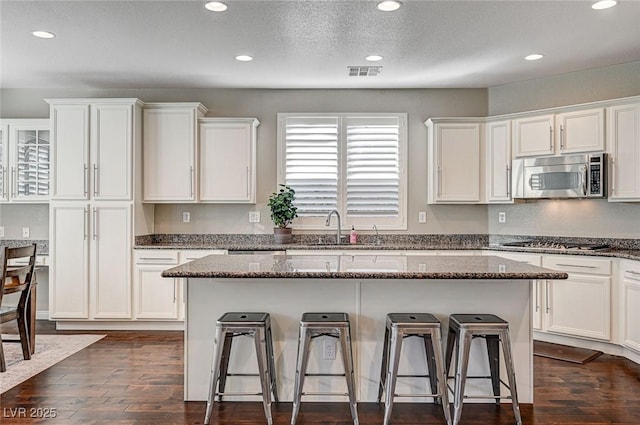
column 254, row 216
column 422, row 217
column 25, row 232
column 1, row 231
column 186, row 217
column 502, row 217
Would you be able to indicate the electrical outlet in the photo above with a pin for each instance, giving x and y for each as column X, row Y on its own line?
column 186, row 217
column 254, row 216
column 25, row 232
column 422, row 217
column 1, row 231
column 329, row 352
column 502, row 217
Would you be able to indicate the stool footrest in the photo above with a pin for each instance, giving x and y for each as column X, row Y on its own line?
column 497, row 397
column 324, row 374
column 238, row 394
column 413, row 376
column 330, row 394
column 242, row 374
column 418, row 395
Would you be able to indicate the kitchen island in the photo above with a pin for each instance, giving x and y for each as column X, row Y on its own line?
column 367, row 287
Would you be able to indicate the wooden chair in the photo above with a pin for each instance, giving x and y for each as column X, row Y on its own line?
column 17, row 279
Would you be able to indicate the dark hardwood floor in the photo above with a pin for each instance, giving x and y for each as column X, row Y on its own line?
column 136, row 378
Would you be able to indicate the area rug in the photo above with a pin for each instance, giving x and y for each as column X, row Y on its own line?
column 50, row 349
column 564, row 352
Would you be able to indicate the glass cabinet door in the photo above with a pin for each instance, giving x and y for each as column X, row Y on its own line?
column 3, row 164
column 32, row 163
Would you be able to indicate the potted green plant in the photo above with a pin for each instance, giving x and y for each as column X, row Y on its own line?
column 282, row 213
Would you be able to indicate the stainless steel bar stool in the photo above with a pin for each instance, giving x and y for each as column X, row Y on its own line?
column 463, row 328
column 258, row 327
column 333, row 325
column 404, row 325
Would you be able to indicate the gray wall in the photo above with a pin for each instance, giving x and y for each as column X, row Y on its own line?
column 597, row 218
column 420, row 104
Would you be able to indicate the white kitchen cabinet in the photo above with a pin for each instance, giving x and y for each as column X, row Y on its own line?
column 24, row 160
column 155, row 297
column 170, row 132
column 581, row 305
column 227, row 169
column 562, row 133
column 90, row 273
column 630, row 275
column 498, row 162
column 454, row 147
column 93, row 150
column 624, row 145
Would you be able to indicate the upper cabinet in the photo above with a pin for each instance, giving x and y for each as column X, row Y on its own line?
column 93, row 148
column 25, row 149
column 498, row 162
column 228, row 160
column 170, row 132
column 454, row 160
column 566, row 132
column 624, row 145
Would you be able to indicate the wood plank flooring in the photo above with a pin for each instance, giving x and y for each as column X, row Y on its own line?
column 136, row 378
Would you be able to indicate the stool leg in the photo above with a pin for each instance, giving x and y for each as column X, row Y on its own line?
column 215, row 371
column 506, row 347
column 259, row 338
column 301, row 367
column 431, row 364
column 385, row 360
column 462, row 364
column 439, row 373
column 224, row 363
column 347, row 359
column 392, row 373
column 493, row 350
column 451, row 340
column 272, row 365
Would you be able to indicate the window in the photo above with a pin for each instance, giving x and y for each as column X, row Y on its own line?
column 355, row 164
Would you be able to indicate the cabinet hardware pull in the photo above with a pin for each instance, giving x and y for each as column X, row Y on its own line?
column 561, row 138
column 613, row 175
column 439, row 181
column 576, row 265
column 95, row 180
column 95, row 228
column 546, row 295
column 633, row 273
column 14, row 182
column 156, row 258
column 585, row 177
column 84, row 224
column 175, row 290
column 535, row 291
column 191, row 179
column 248, row 182
column 4, row 182
column 86, row 177
column 551, row 138
column 508, row 182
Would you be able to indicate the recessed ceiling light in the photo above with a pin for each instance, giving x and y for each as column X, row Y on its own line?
column 389, row 5
column 244, row 58
column 374, row 58
column 216, row 6
column 604, row 4
column 43, row 34
column 534, row 57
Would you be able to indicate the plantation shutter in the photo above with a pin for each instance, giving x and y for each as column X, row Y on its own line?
column 373, row 166
column 311, row 163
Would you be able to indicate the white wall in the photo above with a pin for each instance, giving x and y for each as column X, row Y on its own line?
column 13, row 217
column 420, row 104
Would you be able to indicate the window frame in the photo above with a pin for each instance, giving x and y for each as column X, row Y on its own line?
column 359, row 222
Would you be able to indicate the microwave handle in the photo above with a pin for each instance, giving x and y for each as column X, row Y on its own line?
column 585, row 177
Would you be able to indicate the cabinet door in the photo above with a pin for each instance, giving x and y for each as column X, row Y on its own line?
column 70, row 126
column 581, row 131
column 499, row 162
column 169, row 154
column 156, row 297
column 631, row 313
column 29, row 149
column 227, row 164
column 457, row 154
column 111, row 151
column 624, row 139
column 4, row 163
column 580, row 306
column 69, row 272
column 533, row 136
column 111, row 245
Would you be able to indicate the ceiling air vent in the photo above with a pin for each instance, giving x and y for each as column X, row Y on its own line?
column 364, row 71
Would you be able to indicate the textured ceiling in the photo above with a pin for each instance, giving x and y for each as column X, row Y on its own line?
column 307, row 43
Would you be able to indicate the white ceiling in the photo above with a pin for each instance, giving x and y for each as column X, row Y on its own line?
column 307, row 43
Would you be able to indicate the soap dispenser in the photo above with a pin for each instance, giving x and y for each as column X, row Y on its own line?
column 353, row 236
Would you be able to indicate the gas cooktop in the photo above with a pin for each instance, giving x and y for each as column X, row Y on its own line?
column 558, row 245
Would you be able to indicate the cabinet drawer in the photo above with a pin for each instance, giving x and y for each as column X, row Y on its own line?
column 194, row 254
column 584, row 265
column 159, row 256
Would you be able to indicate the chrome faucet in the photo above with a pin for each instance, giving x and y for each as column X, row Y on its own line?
column 377, row 235
column 328, row 223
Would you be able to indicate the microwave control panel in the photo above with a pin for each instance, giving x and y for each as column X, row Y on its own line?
column 595, row 176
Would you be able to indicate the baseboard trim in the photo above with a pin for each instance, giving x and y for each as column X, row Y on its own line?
column 119, row 326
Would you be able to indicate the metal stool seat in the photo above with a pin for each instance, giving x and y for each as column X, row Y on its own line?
column 404, row 325
column 334, row 325
column 463, row 328
column 257, row 326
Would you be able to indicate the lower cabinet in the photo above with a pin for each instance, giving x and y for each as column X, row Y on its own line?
column 630, row 276
column 580, row 305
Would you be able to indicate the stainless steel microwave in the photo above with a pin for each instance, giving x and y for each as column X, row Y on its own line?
column 568, row 176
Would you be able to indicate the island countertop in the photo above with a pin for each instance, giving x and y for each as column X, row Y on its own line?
column 360, row 267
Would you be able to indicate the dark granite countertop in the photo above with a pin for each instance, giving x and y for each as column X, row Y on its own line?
column 42, row 247
column 474, row 267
